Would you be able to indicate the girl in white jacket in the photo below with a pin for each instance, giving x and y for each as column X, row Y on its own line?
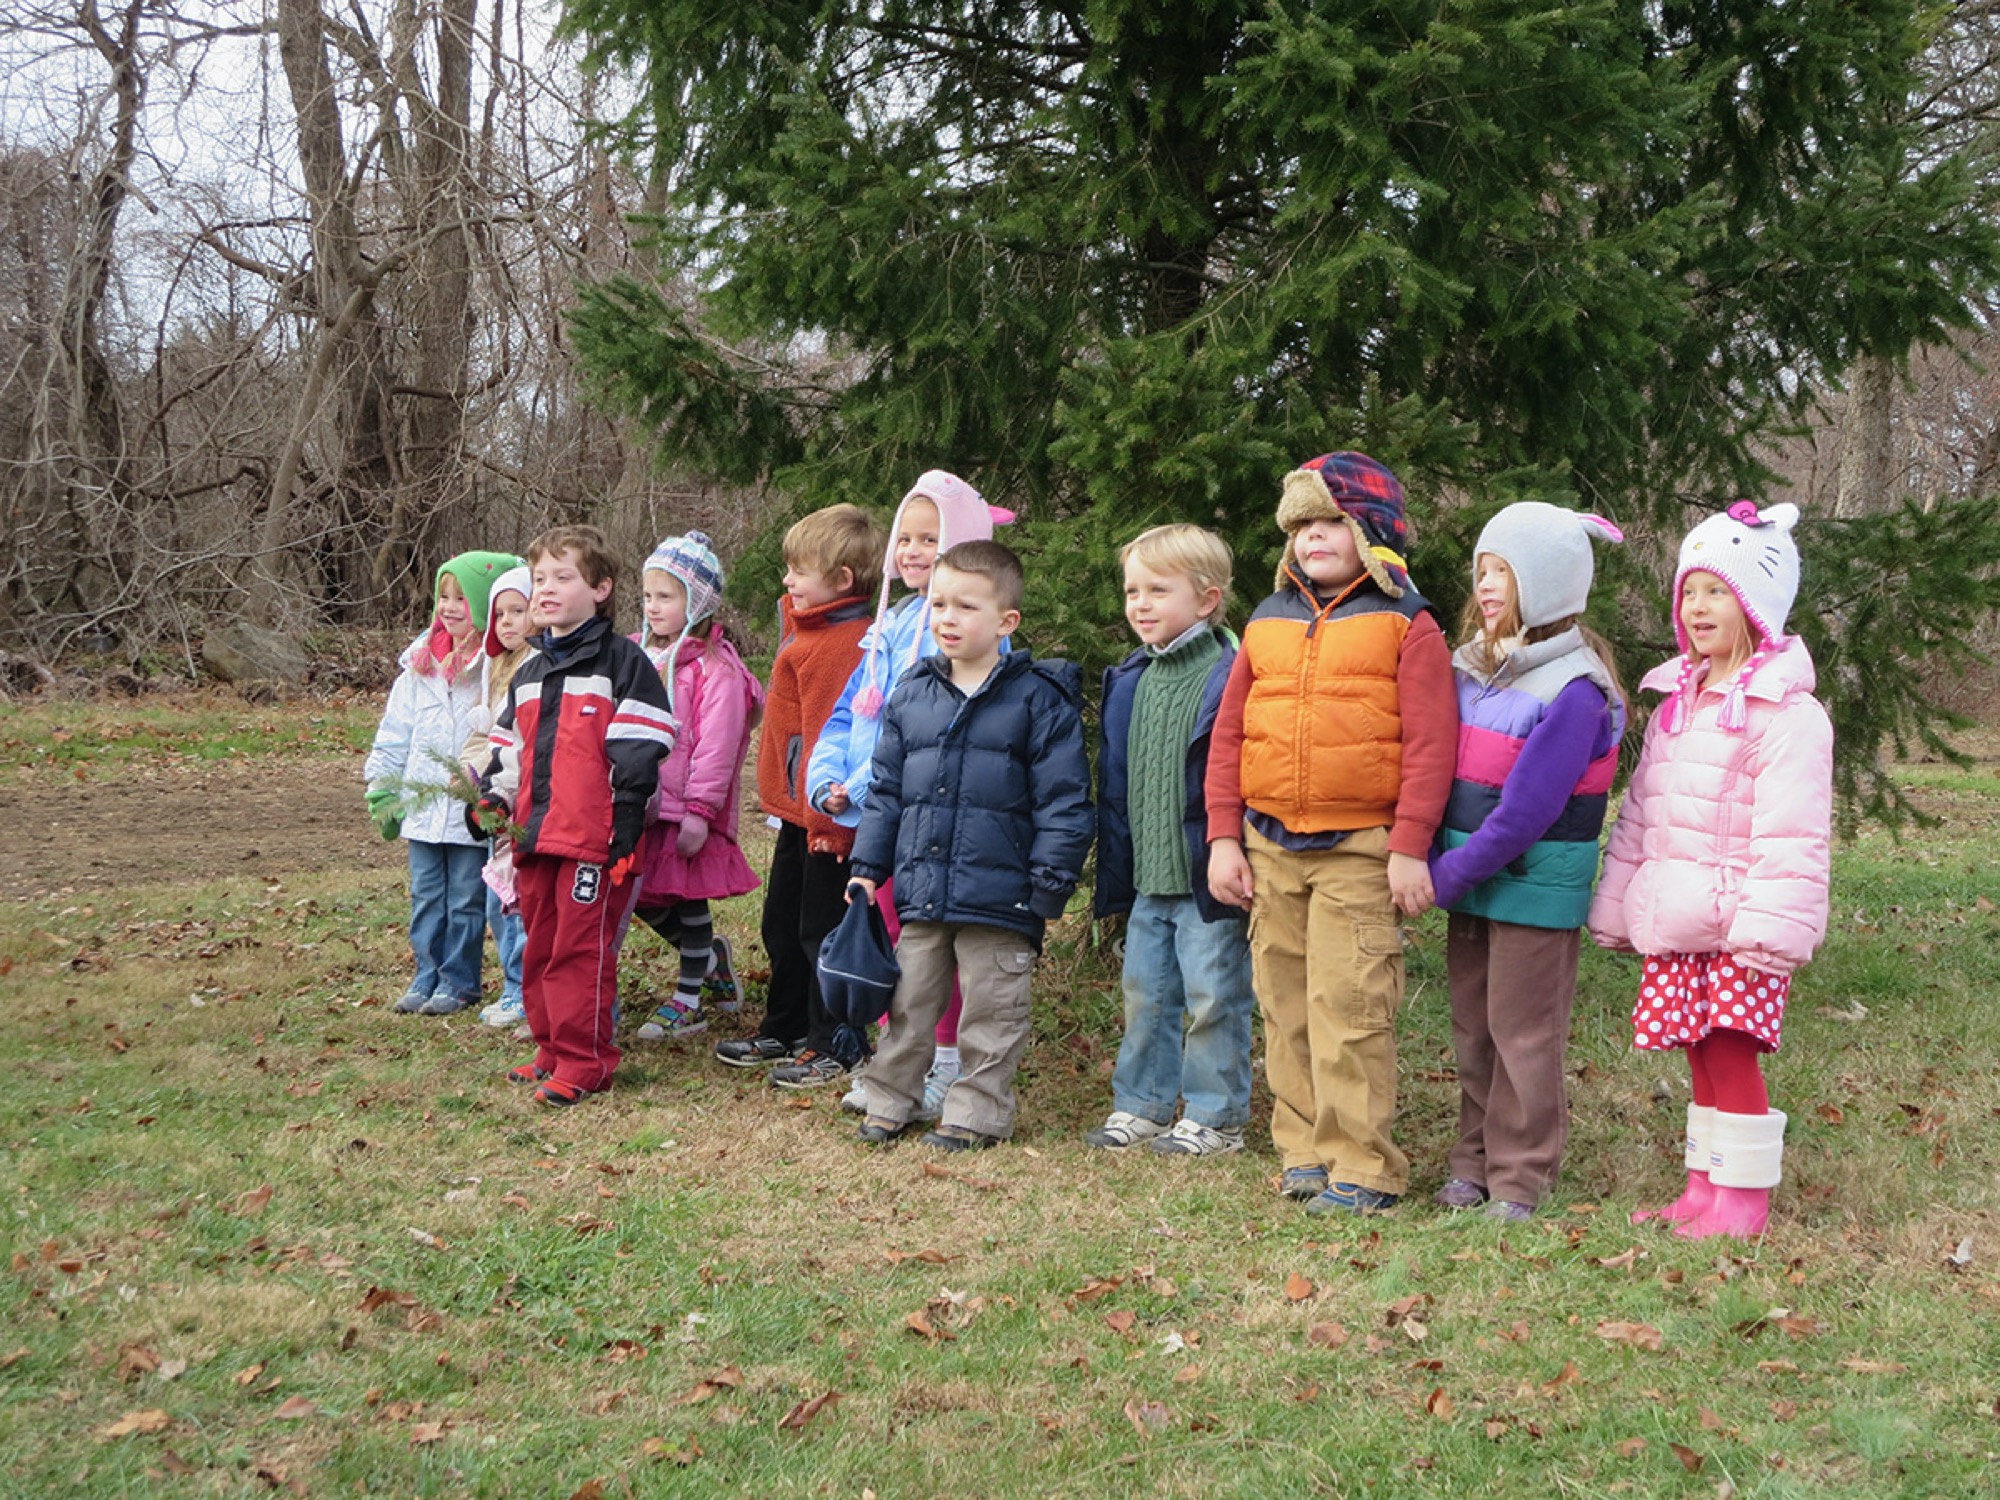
column 1716, row 872
column 411, row 764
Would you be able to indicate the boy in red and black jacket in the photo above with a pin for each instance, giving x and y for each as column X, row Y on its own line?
column 833, row 562
column 576, row 756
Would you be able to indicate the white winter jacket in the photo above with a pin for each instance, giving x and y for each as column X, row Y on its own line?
column 417, row 748
column 1722, row 843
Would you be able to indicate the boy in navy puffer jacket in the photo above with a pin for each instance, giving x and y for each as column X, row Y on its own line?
column 980, row 808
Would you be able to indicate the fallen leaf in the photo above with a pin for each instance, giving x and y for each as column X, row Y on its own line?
column 1326, row 1335
column 1690, row 1460
column 15, row 1358
column 382, row 1297
column 1832, row 1114
column 1798, row 1328
column 1187, row 1373
column 1297, row 1288
column 172, row 1369
column 928, row 1257
column 1439, row 1405
column 590, row 1489
column 1097, row 1287
column 621, row 1351
column 1495, row 1430
column 1631, row 1447
column 1638, row 1335
column 249, row 1373
column 1146, row 1417
column 173, row 1463
column 249, row 1205
column 1569, row 1374
column 295, row 1407
column 1405, row 1307
column 1960, row 1258
column 1623, row 1262
column 1873, row 1366
column 920, row 1324
column 1122, row 1320
column 135, row 1360
column 152, row 1420
column 805, row 1411
column 424, row 1433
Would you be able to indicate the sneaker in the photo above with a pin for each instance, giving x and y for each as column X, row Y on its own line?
column 508, row 1010
column 754, row 1051
column 855, row 1100
column 1302, row 1182
column 1351, row 1198
column 958, row 1138
column 560, row 1095
column 1123, row 1130
column 672, row 1021
column 444, row 1003
column 1192, row 1138
column 413, row 1001
column 809, row 1070
column 879, row 1132
column 1509, row 1213
column 1459, row 1193
column 937, row 1083
column 527, row 1073
column 720, row 987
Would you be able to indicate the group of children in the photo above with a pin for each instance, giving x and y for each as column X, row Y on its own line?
column 1267, row 810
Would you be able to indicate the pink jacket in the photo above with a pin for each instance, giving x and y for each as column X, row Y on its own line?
column 718, row 701
column 1722, row 843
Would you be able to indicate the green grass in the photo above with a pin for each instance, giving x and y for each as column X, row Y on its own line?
column 460, row 1294
column 195, row 726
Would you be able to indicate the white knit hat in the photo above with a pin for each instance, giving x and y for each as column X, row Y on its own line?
column 1548, row 549
column 1755, row 555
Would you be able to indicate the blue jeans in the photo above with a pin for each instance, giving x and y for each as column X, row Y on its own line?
column 1188, row 1004
column 509, row 938
column 447, row 917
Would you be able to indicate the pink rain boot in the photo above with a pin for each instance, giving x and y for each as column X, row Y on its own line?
column 1746, row 1155
column 1695, row 1200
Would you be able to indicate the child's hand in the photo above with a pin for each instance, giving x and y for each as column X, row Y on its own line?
column 1410, row 884
column 1229, row 879
column 834, row 801
column 864, row 886
column 692, row 838
column 384, row 812
column 487, row 817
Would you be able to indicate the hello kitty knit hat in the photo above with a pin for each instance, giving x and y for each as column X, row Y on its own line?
column 1752, row 551
column 1548, row 550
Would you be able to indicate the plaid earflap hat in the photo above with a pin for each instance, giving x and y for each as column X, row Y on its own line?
column 1354, row 488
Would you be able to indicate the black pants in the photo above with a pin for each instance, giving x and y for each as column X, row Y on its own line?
column 804, row 899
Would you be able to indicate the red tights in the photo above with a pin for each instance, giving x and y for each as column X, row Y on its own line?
column 1727, row 1074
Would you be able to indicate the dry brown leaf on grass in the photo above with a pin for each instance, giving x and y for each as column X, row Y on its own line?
column 1569, row 1374
column 1631, row 1447
column 1873, row 1366
column 9, row 1360
column 380, row 1296
column 1187, row 1373
column 249, row 1205
column 1298, row 1288
column 1623, row 1262
column 1690, row 1460
column 805, row 1411
column 295, row 1407
column 1438, row 1404
column 151, row 1420
column 135, row 1360
column 660, row 1448
column 1326, row 1335
column 248, row 1373
column 1638, row 1335
column 590, row 1489
column 920, row 1323
column 1097, row 1287
column 928, row 1257
column 1146, row 1417
column 1121, row 1321
column 623, row 1351
column 983, row 1184
column 422, row 1434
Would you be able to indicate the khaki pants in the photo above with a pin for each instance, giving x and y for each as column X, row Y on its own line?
column 1328, row 958
column 1512, row 989
column 993, row 967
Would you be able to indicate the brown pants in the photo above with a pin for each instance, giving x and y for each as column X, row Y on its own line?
column 993, row 967
column 1328, row 962
column 1512, row 989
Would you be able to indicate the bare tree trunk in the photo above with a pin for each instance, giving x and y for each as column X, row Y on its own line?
column 1866, row 468
column 353, row 355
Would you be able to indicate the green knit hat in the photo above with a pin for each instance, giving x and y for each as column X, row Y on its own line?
column 476, row 573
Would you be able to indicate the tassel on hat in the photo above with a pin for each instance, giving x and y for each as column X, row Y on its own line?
column 1753, row 552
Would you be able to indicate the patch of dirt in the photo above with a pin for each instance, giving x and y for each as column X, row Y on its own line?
column 143, row 825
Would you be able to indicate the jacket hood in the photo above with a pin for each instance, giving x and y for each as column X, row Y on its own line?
column 516, row 580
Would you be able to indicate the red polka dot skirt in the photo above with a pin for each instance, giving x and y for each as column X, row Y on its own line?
column 1684, row 996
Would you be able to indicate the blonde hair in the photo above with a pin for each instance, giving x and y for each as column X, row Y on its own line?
column 1194, row 551
column 841, row 536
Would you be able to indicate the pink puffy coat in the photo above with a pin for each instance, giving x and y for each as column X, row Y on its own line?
column 718, row 701
column 1722, row 843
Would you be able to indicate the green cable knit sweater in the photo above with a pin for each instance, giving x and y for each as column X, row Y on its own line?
column 1163, row 713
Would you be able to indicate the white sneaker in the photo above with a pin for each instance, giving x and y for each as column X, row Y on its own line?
column 937, row 1083
column 508, row 1010
column 1123, row 1130
column 1192, row 1138
column 855, row 1100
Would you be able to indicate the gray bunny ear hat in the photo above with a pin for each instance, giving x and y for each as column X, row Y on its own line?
column 1548, row 549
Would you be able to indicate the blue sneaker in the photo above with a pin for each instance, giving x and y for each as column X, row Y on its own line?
column 1302, row 1182
column 413, row 1001
column 1352, row 1198
column 444, row 1003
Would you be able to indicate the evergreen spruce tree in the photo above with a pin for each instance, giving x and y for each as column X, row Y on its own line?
column 1129, row 260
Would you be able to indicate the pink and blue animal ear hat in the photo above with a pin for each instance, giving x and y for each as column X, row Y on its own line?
column 1753, row 552
column 1548, row 550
